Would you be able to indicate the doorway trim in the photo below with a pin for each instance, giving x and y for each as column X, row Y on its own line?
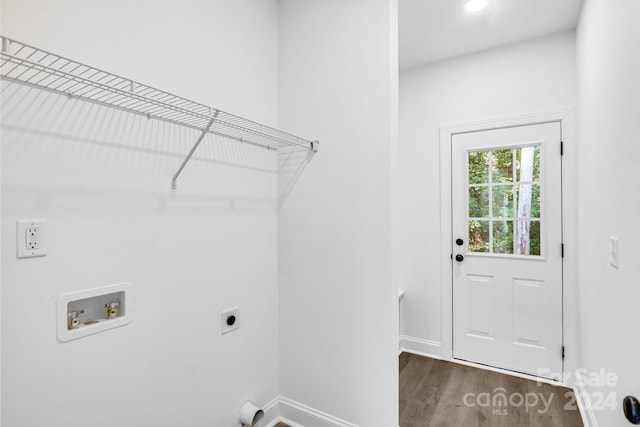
column 569, row 226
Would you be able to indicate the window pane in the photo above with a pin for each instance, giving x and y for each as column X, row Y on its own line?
column 536, row 163
column 503, row 201
column 479, row 202
column 503, row 237
column 479, row 167
column 528, row 201
column 528, row 238
column 535, row 201
column 502, row 166
column 534, row 238
column 528, row 164
column 478, row 236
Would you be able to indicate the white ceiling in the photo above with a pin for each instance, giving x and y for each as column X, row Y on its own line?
column 433, row 30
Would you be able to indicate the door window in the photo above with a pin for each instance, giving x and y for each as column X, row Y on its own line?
column 504, row 209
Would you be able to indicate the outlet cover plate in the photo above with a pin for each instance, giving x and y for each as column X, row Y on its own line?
column 614, row 252
column 226, row 328
column 31, row 238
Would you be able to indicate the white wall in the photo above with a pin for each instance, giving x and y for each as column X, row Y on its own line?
column 338, row 301
column 101, row 179
column 530, row 77
column 609, row 106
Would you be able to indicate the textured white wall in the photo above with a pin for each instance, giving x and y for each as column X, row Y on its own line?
column 338, row 325
column 530, row 77
column 101, row 179
column 609, row 106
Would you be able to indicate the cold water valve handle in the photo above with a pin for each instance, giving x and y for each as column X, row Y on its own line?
column 112, row 309
column 631, row 408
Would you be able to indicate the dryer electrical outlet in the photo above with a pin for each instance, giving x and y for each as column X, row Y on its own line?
column 31, row 238
column 230, row 320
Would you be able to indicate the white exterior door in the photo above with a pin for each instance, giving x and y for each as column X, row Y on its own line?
column 507, row 248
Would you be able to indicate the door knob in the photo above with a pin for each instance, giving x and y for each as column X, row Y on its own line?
column 459, row 242
column 459, row 258
column 631, row 408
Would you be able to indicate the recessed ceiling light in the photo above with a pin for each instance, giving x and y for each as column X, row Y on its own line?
column 475, row 5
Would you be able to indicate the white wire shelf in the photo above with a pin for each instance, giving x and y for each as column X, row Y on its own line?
column 31, row 66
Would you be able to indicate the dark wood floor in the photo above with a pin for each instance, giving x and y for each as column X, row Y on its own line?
column 435, row 393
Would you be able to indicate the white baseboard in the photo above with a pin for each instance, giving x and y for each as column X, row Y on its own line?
column 296, row 414
column 584, row 404
column 421, row 347
column 271, row 412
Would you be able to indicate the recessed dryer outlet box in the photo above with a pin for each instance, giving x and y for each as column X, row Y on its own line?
column 95, row 310
column 230, row 320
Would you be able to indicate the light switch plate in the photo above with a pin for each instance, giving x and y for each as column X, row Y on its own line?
column 31, row 238
column 614, row 252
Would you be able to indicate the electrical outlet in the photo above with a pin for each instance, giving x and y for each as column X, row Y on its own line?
column 30, row 238
column 230, row 320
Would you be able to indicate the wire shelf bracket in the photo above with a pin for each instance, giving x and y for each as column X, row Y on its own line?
column 174, row 184
column 34, row 67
